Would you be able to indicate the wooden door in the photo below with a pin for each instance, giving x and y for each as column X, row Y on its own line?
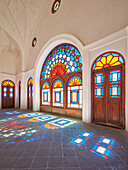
column 19, row 94
column 30, row 96
column 8, row 97
column 108, row 96
column 115, row 96
column 99, row 107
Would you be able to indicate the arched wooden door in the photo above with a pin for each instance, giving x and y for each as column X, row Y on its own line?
column 8, row 94
column 30, row 93
column 19, row 94
column 108, row 87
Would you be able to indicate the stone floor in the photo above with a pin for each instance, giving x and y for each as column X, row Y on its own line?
column 42, row 141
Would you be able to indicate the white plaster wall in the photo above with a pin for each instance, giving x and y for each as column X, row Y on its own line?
column 18, row 79
column 24, row 80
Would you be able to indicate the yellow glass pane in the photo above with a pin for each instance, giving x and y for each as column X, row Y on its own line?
column 99, row 64
column 45, row 86
column 117, row 63
column 103, row 60
column 74, row 82
column 30, row 81
column 115, row 59
column 58, row 84
column 109, row 58
column 96, row 68
column 8, row 83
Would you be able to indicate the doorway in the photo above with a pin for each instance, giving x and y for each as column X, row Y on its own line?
column 19, row 94
column 108, row 90
column 30, row 93
column 8, row 94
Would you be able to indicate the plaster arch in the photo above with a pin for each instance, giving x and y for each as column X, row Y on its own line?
column 51, row 44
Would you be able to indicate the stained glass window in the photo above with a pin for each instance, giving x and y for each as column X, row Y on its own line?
column 75, row 92
column 19, row 83
column 56, row 6
column 8, row 87
column 30, row 81
column 29, row 91
column 45, row 94
column 34, row 41
column 62, row 59
column 58, row 93
column 107, row 60
column 8, row 83
column 5, row 92
column 30, row 87
column 99, row 78
column 11, row 92
column 114, row 84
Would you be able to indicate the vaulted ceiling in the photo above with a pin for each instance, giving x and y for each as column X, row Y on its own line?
column 88, row 20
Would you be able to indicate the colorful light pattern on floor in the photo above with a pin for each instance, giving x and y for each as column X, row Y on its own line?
column 27, row 138
column 6, row 120
column 30, row 115
column 11, row 113
column 32, row 120
column 50, row 127
column 81, row 138
column 41, row 118
column 103, row 147
column 21, row 132
column 14, row 132
column 62, row 122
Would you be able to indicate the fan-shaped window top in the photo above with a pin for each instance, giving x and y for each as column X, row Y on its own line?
column 45, row 85
column 75, row 81
column 8, row 83
column 107, row 60
column 58, row 84
column 30, row 81
column 62, row 59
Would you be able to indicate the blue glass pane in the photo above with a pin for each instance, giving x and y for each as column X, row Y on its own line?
column 98, row 59
column 115, row 55
column 106, row 54
column 5, row 89
column 120, row 59
column 11, row 89
column 118, row 76
column 11, row 95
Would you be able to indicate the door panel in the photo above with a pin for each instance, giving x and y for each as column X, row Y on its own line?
column 30, row 96
column 114, row 95
column 8, row 96
column 98, row 96
column 99, row 109
column 108, row 107
column 113, row 114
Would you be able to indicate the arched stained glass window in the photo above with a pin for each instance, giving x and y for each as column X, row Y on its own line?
column 62, row 59
column 75, row 80
column 56, row 6
column 58, row 93
column 107, row 60
column 45, row 93
column 8, row 83
column 75, row 92
column 30, row 81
